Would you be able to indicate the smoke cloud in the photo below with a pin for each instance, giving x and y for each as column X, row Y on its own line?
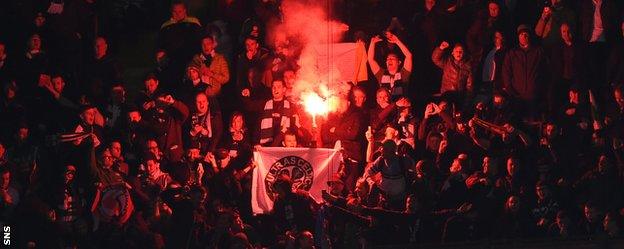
column 306, row 28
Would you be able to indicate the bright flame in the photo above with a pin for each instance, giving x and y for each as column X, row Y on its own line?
column 314, row 104
column 306, row 29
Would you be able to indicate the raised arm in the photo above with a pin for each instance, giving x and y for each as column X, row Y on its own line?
column 407, row 65
column 430, row 110
column 541, row 28
column 180, row 111
column 371, row 55
column 436, row 56
column 370, row 146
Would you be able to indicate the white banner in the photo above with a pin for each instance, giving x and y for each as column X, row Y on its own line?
column 309, row 169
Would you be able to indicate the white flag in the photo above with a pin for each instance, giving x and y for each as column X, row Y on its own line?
column 309, row 169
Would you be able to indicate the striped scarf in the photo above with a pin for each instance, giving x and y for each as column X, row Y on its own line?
column 394, row 83
column 266, row 123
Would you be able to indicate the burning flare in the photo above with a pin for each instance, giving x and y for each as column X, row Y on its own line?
column 314, row 105
column 307, row 27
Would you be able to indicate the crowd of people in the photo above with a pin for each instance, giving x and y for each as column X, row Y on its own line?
column 480, row 120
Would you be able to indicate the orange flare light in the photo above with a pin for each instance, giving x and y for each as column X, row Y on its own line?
column 314, row 105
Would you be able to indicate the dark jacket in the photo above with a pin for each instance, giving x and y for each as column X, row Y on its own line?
column 455, row 76
column 242, row 149
column 99, row 76
column 572, row 58
column 379, row 118
column 228, row 142
column 28, row 71
column 136, row 135
column 523, row 72
column 169, row 127
column 144, row 97
column 180, row 40
column 294, row 211
column 513, row 225
column 598, row 187
column 347, row 130
column 216, row 127
column 243, row 64
column 615, row 65
column 186, row 91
